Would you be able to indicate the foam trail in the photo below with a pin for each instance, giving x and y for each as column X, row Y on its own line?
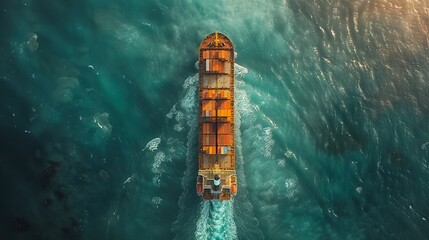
column 216, row 221
column 245, row 112
column 152, row 145
column 185, row 114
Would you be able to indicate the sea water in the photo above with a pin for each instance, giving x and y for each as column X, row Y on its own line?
column 98, row 119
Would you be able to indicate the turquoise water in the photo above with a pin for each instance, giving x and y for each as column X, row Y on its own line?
column 98, row 119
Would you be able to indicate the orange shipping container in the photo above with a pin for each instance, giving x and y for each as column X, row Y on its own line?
column 208, row 150
column 224, row 140
column 223, row 94
column 209, row 113
column 214, row 65
column 224, row 104
column 223, row 128
column 223, row 81
column 205, row 54
column 208, row 104
column 212, row 150
column 209, row 128
column 209, row 140
column 210, row 94
column 209, row 81
column 224, row 113
column 210, row 54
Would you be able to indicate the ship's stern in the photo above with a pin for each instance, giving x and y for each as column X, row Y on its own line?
column 216, row 186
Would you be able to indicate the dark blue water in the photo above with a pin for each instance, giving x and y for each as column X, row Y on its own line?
column 98, row 119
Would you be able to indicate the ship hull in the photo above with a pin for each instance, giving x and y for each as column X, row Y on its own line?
column 216, row 178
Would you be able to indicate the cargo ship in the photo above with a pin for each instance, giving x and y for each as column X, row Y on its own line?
column 216, row 178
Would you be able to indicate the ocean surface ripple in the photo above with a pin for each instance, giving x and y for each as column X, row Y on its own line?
column 98, row 119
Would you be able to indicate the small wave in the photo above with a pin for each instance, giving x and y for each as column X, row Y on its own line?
column 190, row 81
column 178, row 127
column 187, row 105
column 152, row 145
column 178, row 116
column 267, row 138
column 245, row 223
column 290, row 154
column 240, row 70
column 289, row 189
column 157, row 165
column 156, row 201
column 281, row 162
column 172, row 112
column 216, row 221
column 246, row 110
column 158, row 159
column 156, row 180
column 102, row 121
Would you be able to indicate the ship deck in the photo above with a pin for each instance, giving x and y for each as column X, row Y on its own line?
column 216, row 116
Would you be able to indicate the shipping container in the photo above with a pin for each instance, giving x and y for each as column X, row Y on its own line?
column 224, row 128
column 224, row 140
column 217, row 54
column 224, row 81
